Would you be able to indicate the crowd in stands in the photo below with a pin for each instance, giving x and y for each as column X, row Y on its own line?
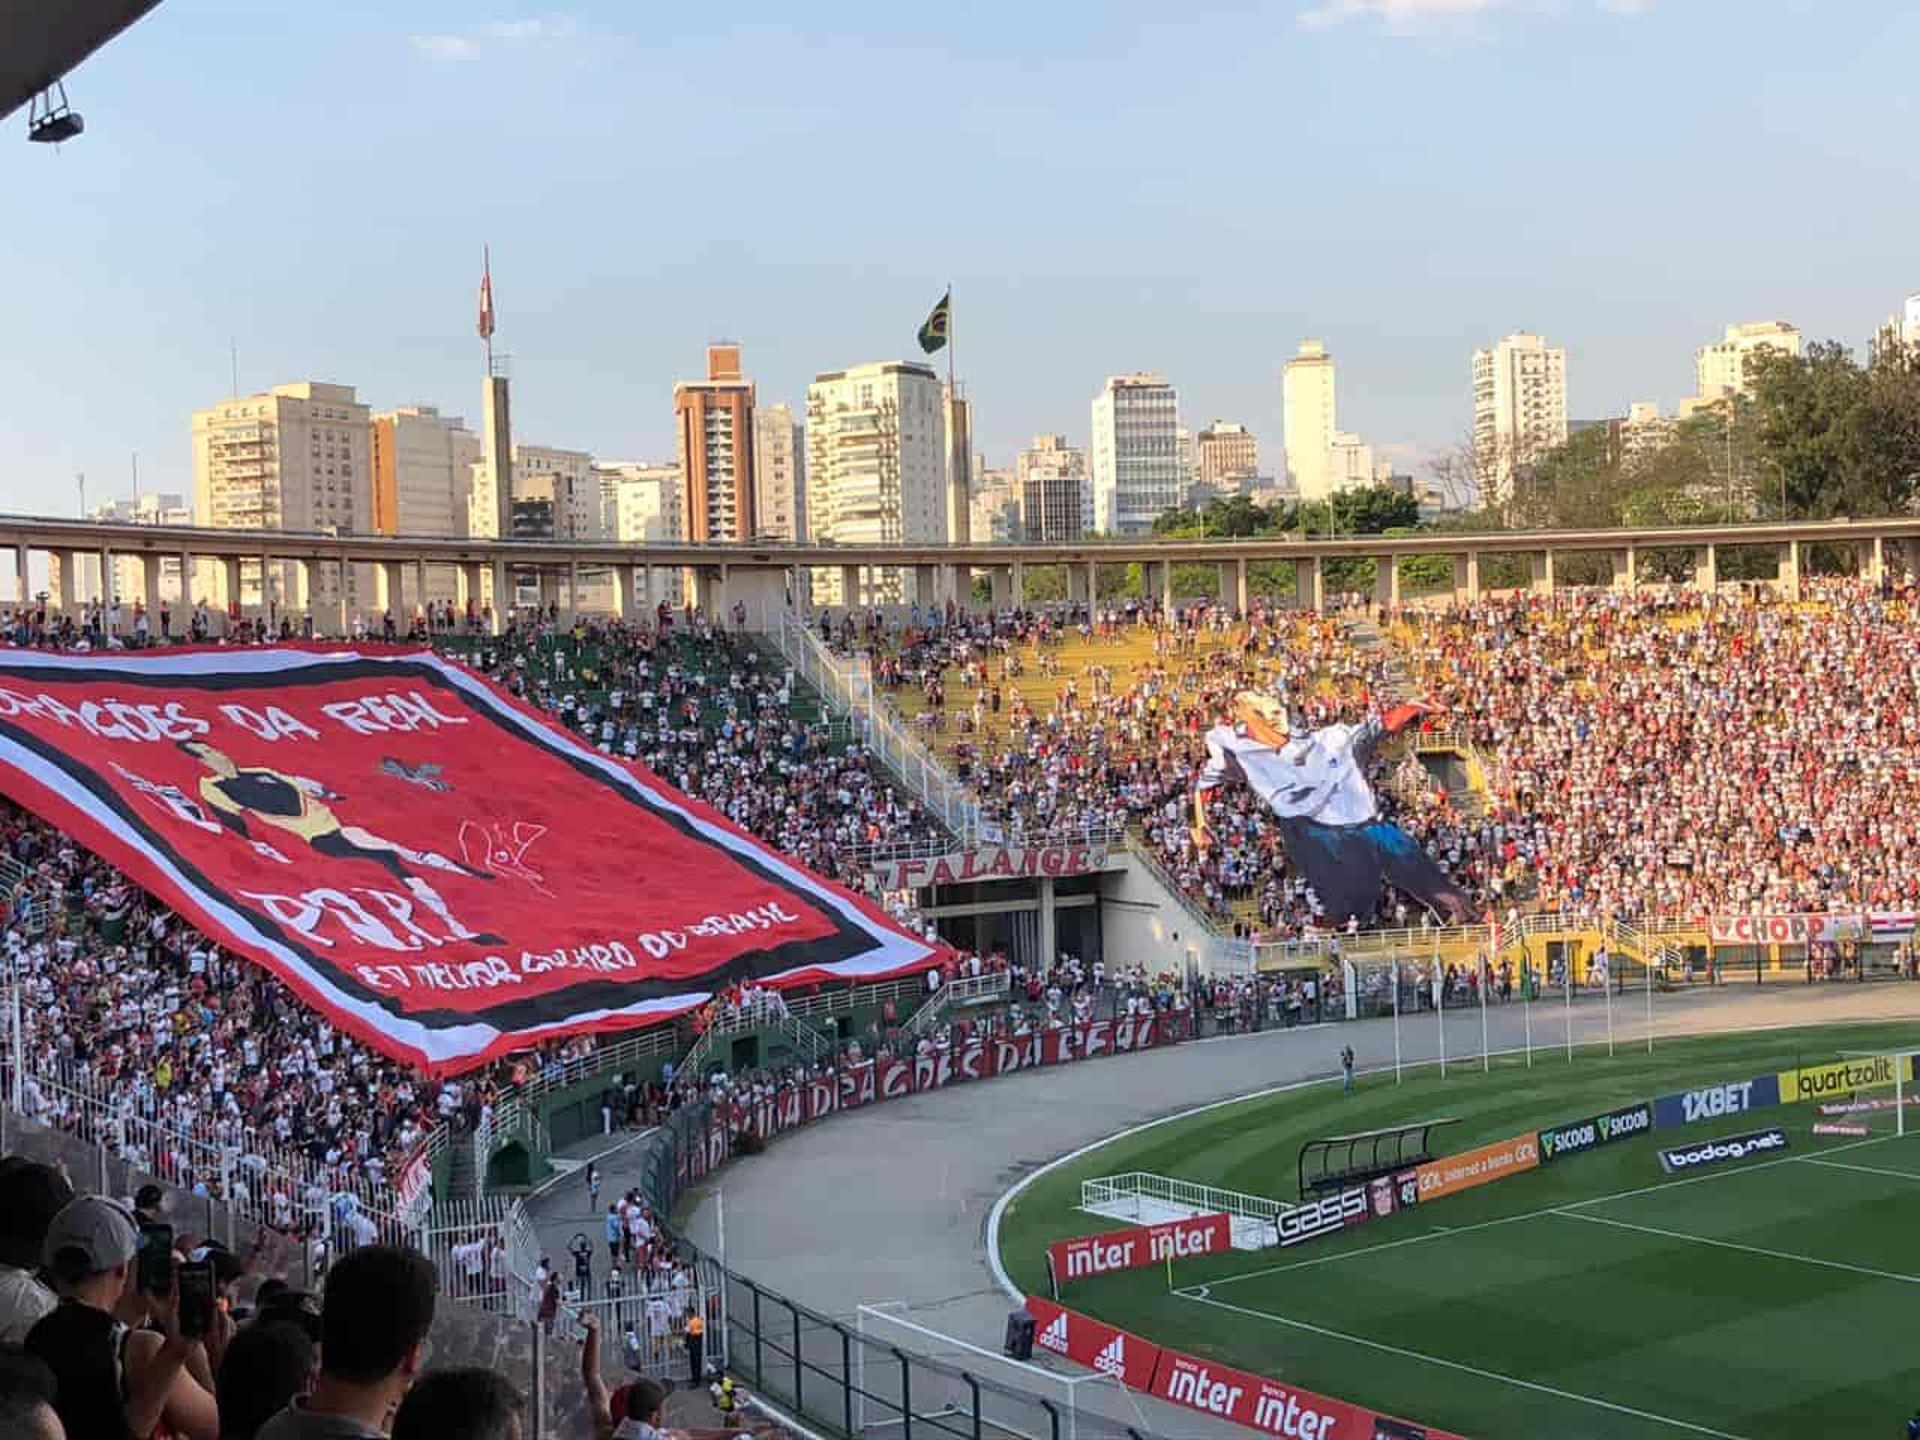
column 116, row 1325
column 1652, row 753
column 1119, row 747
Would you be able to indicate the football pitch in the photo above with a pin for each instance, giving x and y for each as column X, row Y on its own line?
column 1595, row 1296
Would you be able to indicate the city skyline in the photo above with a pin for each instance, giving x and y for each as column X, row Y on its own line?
column 129, row 318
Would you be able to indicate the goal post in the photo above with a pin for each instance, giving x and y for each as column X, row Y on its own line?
column 1873, row 1094
column 910, row 1377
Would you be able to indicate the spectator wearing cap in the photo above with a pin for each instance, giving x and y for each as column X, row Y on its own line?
column 89, row 1252
column 149, row 1205
column 474, row 1404
column 269, row 1364
column 31, row 1194
column 374, row 1321
column 26, row 1398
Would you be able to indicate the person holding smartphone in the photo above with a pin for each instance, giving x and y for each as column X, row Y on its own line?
column 90, row 1252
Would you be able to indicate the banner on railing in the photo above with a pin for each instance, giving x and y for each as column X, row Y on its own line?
column 1271, row 1407
column 432, row 864
column 993, row 862
column 1881, row 926
column 854, row 1084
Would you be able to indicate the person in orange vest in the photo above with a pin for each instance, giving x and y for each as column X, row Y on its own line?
column 696, row 1343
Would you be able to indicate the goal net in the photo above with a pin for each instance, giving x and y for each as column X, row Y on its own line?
column 1861, row 1095
column 909, row 1377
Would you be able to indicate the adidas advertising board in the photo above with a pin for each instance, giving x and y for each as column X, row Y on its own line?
column 1581, row 1135
column 1268, row 1407
column 1753, row 1145
column 1089, row 1342
column 1711, row 1102
column 1323, row 1216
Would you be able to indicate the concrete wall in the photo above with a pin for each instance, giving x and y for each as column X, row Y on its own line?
column 1143, row 923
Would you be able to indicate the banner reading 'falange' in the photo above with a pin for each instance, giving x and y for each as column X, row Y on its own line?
column 438, row 869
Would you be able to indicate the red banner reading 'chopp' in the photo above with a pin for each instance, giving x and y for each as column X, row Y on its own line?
column 434, row 866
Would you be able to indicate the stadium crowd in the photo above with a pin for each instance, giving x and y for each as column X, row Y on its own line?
column 1656, row 754
column 1121, row 750
column 116, row 1325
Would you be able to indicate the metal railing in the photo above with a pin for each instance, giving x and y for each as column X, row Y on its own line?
column 967, row 990
column 1116, row 1191
column 847, row 686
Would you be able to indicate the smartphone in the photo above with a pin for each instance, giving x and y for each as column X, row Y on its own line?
column 196, row 1281
column 153, row 1260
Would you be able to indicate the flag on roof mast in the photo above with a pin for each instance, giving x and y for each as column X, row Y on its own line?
column 933, row 334
column 486, row 295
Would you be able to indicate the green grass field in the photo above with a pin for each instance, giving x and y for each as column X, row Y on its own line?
column 1596, row 1296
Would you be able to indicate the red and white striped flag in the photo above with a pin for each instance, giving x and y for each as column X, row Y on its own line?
column 486, row 296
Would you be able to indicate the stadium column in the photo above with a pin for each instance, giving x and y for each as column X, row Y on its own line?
column 1466, row 576
column 420, row 584
column 1166, row 587
column 1309, row 584
column 572, row 610
column 1017, row 579
column 1874, row 562
column 999, row 587
column 1386, row 581
column 20, row 581
column 1630, row 571
column 926, row 586
column 850, row 585
column 229, row 592
column 499, row 599
column 1788, row 581
column 1093, row 584
column 187, row 588
column 1706, row 568
column 107, row 618
column 1049, row 919
column 386, row 586
column 1241, row 600
column 150, row 596
column 1543, row 581
column 63, row 582
column 301, row 602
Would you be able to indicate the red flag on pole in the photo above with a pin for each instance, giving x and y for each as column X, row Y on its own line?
column 486, row 296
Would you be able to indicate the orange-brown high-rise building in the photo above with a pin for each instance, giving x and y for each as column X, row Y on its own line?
column 714, row 419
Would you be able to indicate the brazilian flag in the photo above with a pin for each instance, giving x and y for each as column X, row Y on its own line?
column 933, row 334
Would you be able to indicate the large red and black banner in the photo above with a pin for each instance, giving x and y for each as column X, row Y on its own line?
column 435, row 866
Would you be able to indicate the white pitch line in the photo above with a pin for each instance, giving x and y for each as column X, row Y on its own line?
column 1788, row 1255
column 1445, row 1232
column 1466, row 1369
column 1863, row 1169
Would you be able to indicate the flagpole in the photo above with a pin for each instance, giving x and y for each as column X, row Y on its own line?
column 1396, row 1018
column 1486, row 981
column 486, row 271
column 1440, row 1005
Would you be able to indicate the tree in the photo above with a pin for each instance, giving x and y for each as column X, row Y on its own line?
column 1839, row 439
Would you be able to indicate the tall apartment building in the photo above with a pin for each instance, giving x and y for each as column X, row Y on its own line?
column 713, row 419
column 1519, row 408
column 995, row 506
column 1137, row 470
column 296, row 457
column 556, row 494
column 1225, row 452
column 642, row 506
column 129, row 575
column 1904, row 323
column 877, row 461
column 779, row 474
column 1720, row 370
column 1307, row 415
column 1350, row 462
column 1051, row 490
column 422, row 465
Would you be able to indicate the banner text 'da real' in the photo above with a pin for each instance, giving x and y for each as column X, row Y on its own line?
column 440, row 870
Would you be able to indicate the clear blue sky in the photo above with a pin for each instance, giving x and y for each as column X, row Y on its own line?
column 1188, row 188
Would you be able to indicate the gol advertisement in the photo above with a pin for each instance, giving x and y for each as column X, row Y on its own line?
column 1454, row 1173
